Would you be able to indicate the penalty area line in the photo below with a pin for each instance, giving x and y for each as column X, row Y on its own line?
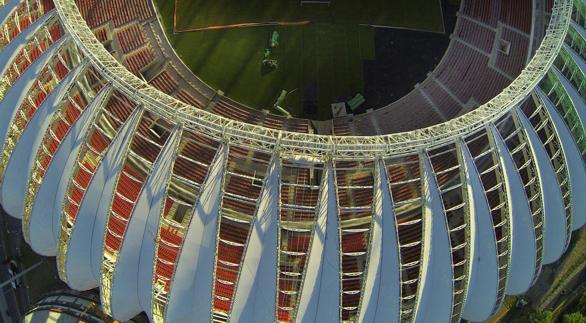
column 244, row 25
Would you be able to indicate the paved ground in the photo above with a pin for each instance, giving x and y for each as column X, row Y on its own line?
column 557, row 283
column 40, row 280
column 15, row 300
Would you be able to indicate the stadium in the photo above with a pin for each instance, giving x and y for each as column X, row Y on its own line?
column 67, row 306
column 191, row 196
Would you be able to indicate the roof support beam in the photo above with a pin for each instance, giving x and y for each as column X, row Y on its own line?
column 435, row 287
column 124, row 302
column 8, row 8
column 577, row 100
column 484, row 274
column 51, row 192
column 555, row 237
column 579, row 60
column 573, row 158
column 18, row 93
column 381, row 296
column 91, row 217
column 21, row 162
column 523, row 251
column 319, row 300
column 191, row 289
column 255, row 299
column 9, row 53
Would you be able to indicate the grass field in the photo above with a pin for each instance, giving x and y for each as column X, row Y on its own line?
column 412, row 14
column 321, row 62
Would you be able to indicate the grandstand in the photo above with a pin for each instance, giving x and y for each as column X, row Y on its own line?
column 177, row 201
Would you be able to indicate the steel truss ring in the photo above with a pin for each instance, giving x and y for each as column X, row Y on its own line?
column 312, row 146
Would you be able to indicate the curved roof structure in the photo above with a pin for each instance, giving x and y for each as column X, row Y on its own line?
column 67, row 306
column 182, row 213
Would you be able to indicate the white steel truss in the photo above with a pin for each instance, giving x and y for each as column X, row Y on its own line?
column 311, row 146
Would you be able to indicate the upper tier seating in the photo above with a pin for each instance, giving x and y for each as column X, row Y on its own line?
column 473, row 70
column 489, row 48
column 142, row 48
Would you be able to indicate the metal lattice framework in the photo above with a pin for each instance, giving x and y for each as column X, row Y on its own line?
column 309, row 226
column 310, row 146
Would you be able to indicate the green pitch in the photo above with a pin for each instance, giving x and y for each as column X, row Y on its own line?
column 192, row 14
column 321, row 60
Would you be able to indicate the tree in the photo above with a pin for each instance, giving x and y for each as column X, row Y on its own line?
column 574, row 318
column 540, row 316
column 581, row 306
